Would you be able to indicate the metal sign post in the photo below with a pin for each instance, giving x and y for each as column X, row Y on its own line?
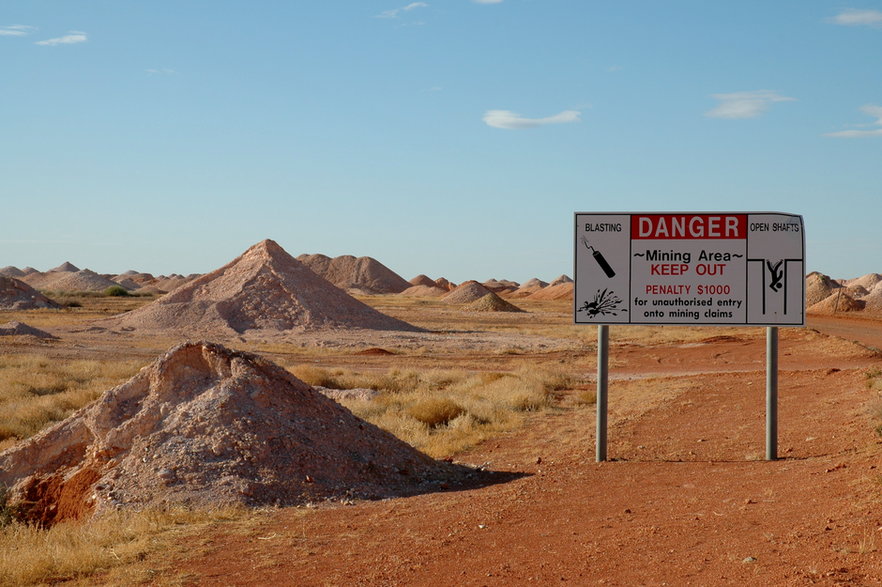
column 602, row 386
column 771, row 393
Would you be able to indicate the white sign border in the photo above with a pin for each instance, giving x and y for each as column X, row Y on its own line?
column 629, row 322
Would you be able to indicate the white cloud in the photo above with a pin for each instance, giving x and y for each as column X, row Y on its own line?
column 393, row 13
column 853, row 17
column 513, row 121
column 160, row 71
column 745, row 104
column 16, row 30
column 876, row 126
column 68, row 39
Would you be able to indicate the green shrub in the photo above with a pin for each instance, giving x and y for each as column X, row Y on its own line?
column 116, row 291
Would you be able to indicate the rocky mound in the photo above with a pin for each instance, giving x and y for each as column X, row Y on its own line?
column 836, row 303
column 85, row 280
column 166, row 283
column 873, row 299
column 265, row 289
column 561, row 279
column 554, row 292
column 127, row 283
column 364, row 274
column 22, row 329
column 867, row 281
column 422, row 279
column 141, row 279
column 423, row 291
column 501, row 285
column 18, row 295
column 444, row 283
column 857, row 291
column 468, row 291
column 491, row 303
column 66, row 267
column 12, row 271
column 207, row 426
column 529, row 287
column 535, row 282
column 818, row 287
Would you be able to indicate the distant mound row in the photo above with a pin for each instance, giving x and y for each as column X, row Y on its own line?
column 363, row 275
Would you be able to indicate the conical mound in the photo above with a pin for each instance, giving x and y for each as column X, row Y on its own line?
column 265, row 289
column 468, row 291
column 491, row 303
column 837, row 302
column 66, row 267
column 361, row 274
column 423, row 279
column 206, row 426
column 18, row 295
column 561, row 279
column 445, row 283
column 21, row 329
column 554, row 292
column 84, row 280
column 818, row 287
column 12, row 271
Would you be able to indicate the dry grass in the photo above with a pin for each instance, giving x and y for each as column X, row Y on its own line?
column 71, row 551
column 36, row 391
column 442, row 412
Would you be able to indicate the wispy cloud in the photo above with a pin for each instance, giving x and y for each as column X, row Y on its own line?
column 395, row 12
column 161, row 71
column 745, row 104
column 487, row 1
column 873, row 129
column 513, row 121
column 69, row 39
column 16, row 30
column 853, row 17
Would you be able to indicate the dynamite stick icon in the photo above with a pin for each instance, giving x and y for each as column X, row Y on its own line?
column 601, row 260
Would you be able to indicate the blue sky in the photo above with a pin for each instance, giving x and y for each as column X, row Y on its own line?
column 447, row 137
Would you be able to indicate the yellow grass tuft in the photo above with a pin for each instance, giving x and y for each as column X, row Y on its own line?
column 36, row 391
column 443, row 412
column 434, row 412
column 69, row 551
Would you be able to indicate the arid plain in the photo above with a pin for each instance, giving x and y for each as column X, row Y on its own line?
column 502, row 402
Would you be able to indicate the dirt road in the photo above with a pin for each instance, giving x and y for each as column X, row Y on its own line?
column 685, row 500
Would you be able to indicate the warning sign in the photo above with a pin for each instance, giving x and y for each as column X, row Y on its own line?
column 709, row 268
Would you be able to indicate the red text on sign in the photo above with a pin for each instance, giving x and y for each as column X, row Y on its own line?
column 689, row 226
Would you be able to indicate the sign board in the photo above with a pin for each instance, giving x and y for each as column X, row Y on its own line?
column 703, row 268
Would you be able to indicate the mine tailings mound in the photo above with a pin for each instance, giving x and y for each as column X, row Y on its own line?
column 206, row 426
column 361, row 274
column 15, row 328
column 264, row 290
column 491, row 303
column 18, row 295
column 468, row 291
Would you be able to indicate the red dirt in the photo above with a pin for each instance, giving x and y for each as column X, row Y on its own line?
column 52, row 499
column 685, row 500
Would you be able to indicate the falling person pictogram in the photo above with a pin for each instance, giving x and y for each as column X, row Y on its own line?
column 777, row 275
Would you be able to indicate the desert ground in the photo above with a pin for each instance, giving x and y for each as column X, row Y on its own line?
column 686, row 497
